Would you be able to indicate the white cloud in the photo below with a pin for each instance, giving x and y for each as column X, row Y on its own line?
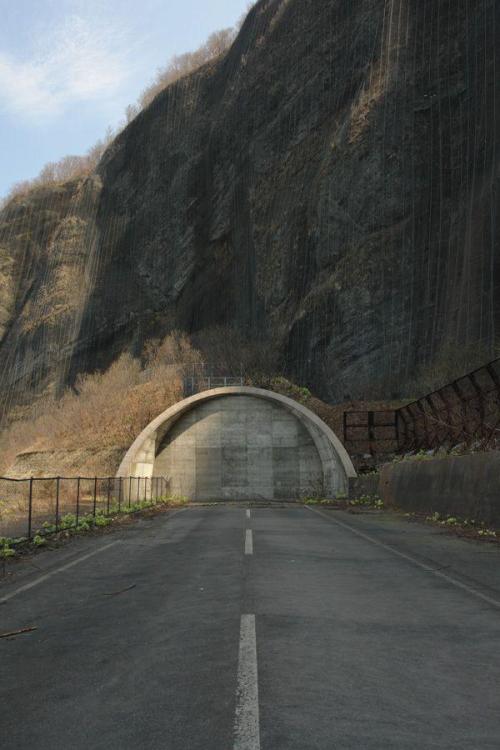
column 75, row 62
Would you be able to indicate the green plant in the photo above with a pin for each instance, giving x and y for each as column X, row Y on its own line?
column 101, row 520
column 487, row 532
column 5, row 548
column 372, row 501
column 68, row 524
column 464, row 523
column 435, row 517
column 68, row 521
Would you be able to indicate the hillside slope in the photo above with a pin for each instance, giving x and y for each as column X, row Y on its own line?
column 333, row 180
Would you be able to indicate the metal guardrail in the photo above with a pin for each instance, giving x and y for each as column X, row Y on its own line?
column 27, row 504
column 463, row 411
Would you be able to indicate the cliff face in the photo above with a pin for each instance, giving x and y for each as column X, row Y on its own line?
column 333, row 180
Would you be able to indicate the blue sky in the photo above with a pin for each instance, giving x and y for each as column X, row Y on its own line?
column 68, row 68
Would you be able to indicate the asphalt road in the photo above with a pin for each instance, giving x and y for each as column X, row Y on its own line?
column 289, row 629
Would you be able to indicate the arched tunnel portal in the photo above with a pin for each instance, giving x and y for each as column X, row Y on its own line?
column 241, row 443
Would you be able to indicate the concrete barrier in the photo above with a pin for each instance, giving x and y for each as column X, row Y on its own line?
column 465, row 486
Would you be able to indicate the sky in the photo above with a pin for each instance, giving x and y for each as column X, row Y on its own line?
column 68, row 68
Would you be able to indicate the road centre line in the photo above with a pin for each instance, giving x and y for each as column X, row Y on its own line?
column 45, row 577
column 409, row 558
column 248, row 513
column 248, row 542
column 246, row 722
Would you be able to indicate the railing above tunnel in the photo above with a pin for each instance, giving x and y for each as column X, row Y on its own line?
column 195, row 384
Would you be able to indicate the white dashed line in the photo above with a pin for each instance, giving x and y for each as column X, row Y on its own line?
column 248, row 513
column 409, row 558
column 246, row 723
column 248, row 542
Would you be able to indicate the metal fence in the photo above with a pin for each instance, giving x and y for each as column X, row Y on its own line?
column 464, row 411
column 62, row 502
column 203, row 376
column 194, row 385
column 372, row 432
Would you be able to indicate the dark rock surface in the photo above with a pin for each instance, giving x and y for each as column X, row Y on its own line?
column 334, row 179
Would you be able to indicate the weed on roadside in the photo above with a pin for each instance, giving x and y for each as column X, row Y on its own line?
column 341, row 499
column 367, row 501
column 69, row 525
column 468, row 527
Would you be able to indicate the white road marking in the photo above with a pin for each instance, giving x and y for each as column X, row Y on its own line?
column 409, row 558
column 248, row 542
column 248, row 513
column 246, row 722
column 43, row 578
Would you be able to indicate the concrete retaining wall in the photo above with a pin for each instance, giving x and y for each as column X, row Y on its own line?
column 465, row 486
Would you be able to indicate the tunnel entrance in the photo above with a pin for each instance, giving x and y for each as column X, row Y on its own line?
column 241, row 443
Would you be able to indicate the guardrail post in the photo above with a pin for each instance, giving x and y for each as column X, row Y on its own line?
column 95, row 495
column 120, row 494
column 77, row 501
column 130, row 492
column 30, row 508
column 371, row 431
column 58, row 480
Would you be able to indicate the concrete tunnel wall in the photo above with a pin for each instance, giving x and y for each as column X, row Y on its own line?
column 242, row 444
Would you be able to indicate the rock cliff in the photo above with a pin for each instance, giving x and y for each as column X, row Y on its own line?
column 332, row 180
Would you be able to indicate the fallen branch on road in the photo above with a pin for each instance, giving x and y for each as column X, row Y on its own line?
column 122, row 591
column 18, row 632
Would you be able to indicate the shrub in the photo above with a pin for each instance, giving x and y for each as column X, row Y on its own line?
column 104, row 409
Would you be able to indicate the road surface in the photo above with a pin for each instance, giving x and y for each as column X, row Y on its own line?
column 222, row 628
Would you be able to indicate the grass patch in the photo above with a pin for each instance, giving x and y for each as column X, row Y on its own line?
column 469, row 527
column 70, row 525
column 342, row 500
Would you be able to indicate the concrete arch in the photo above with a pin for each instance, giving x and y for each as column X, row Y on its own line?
column 336, row 466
